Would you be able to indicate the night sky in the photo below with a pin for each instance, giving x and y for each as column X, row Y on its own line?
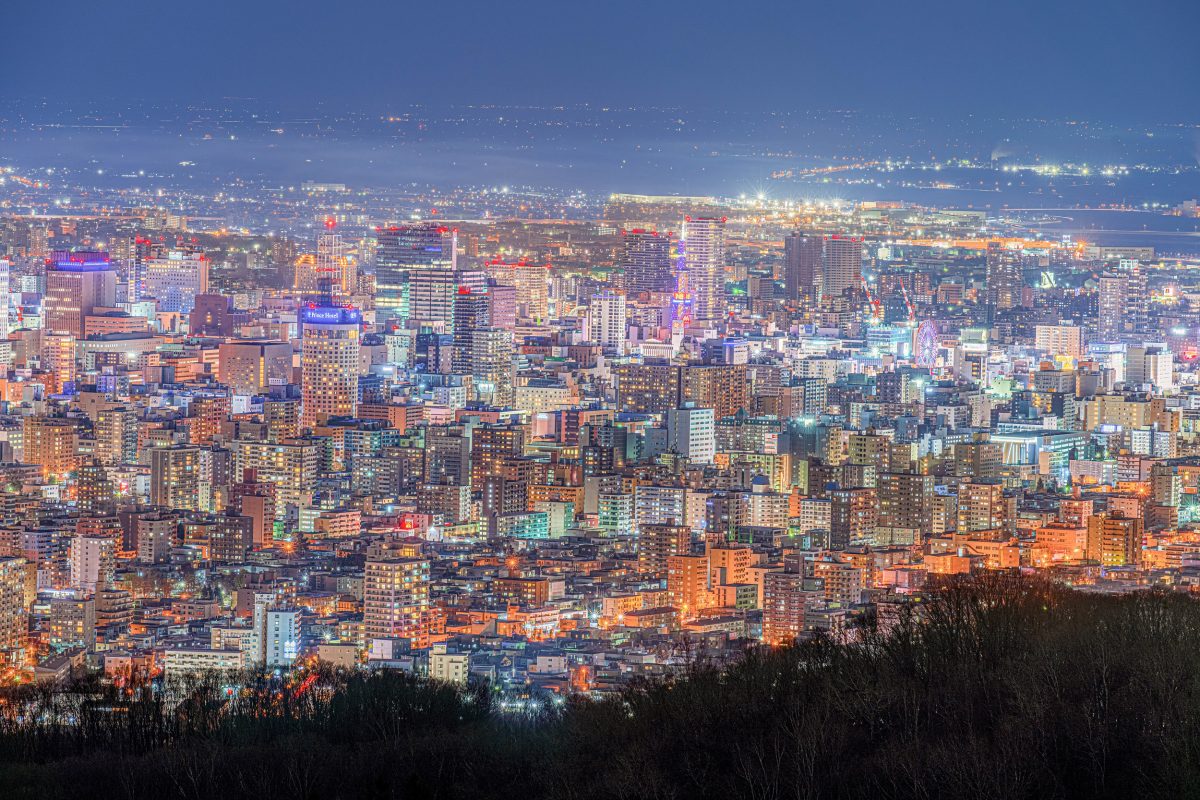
column 1103, row 59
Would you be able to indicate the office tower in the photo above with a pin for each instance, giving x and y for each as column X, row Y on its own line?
column 802, row 266
column 329, row 363
column 77, row 283
column 657, row 543
column 72, row 622
column 532, row 285
column 704, row 260
column 290, row 466
column 404, row 249
column 784, row 605
column 14, row 623
column 115, row 430
column 646, row 261
column 1003, row 277
column 1150, row 365
column 606, row 320
column 691, row 432
column 175, row 477
column 253, row 366
column 93, row 562
column 472, row 313
column 175, row 276
column 396, row 599
column 432, row 294
column 841, row 265
column 51, row 443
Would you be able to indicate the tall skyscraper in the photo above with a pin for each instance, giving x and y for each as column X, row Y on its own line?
column 336, row 274
column 402, row 249
column 76, row 284
column 841, row 265
column 646, row 260
column 329, row 362
column 802, row 266
column 432, row 293
column 532, row 284
column 704, row 258
column 1109, row 319
column 1003, row 277
column 5, row 296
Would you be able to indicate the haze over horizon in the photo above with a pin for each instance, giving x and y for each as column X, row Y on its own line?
column 1111, row 61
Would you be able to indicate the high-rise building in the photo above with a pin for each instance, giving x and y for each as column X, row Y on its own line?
column 329, row 363
column 403, row 249
column 532, row 285
column 254, row 366
column 432, row 294
column 659, row 542
column 175, row 477
column 607, row 319
column 1003, row 277
column 704, row 260
column 72, row 622
column 841, row 265
column 646, row 261
column 93, row 562
column 784, row 605
column 691, row 432
column 1111, row 309
column 396, row 599
column 336, row 273
column 51, row 443
column 174, row 277
column 291, row 466
column 802, row 266
column 115, row 431
column 77, row 283
column 5, row 296
column 14, row 623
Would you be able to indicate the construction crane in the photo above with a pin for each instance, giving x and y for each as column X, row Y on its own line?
column 876, row 309
column 912, row 313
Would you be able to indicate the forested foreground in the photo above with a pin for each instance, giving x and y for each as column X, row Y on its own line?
column 1005, row 688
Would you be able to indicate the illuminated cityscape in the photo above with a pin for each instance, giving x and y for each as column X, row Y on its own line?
column 692, row 441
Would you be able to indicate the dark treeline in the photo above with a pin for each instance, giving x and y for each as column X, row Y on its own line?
column 1004, row 688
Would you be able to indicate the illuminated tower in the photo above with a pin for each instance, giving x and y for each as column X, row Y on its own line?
column 704, row 256
column 841, row 265
column 402, row 249
column 646, row 260
column 76, row 283
column 328, row 362
column 333, row 268
column 802, row 266
column 176, row 276
column 1003, row 277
